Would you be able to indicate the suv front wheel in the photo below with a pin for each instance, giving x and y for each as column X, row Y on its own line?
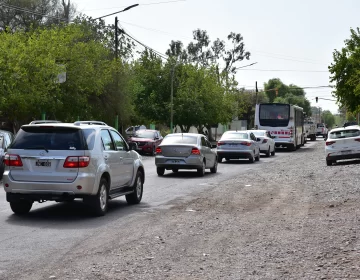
column 21, row 207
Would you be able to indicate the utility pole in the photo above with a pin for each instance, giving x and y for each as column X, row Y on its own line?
column 116, row 38
column 172, row 100
column 256, row 89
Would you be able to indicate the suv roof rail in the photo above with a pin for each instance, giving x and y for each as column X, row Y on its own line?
column 44, row 121
column 89, row 123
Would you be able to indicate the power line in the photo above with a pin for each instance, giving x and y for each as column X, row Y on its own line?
column 282, row 70
column 16, row 8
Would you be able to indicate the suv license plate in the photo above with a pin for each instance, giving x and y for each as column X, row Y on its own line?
column 43, row 163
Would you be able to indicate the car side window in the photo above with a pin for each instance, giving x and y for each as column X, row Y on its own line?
column 119, row 142
column 107, row 141
column 252, row 136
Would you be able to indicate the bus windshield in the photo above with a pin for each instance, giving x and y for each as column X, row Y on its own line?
column 274, row 114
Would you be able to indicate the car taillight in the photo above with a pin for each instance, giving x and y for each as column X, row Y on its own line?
column 357, row 139
column 195, row 151
column 220, row 144
column 291, row 132
column 158, row 151
column 264, row 141
column 246, row 143
column 328, row 143
column 12, row 160
column 76, row 162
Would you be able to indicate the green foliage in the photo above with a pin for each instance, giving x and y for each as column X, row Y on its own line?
column 345, row 72
column 328, row 118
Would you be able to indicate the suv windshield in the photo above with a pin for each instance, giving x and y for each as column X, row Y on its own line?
column 145, row 134
column 49, row 138
column 274, row 114
column 344, row 133
column 179, row 139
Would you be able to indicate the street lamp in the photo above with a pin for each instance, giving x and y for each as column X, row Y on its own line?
column 116, row 26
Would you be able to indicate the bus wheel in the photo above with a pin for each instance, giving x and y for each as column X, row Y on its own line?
column 291, row 148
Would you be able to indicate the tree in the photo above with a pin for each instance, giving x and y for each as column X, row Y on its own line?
column 328, row 118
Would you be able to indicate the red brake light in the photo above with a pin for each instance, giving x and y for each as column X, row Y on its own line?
column 357, row 139
column 76, row 162
column 195, row 151
column 246, row 143
column 12, row 160
column 158, row 151
column 328, row 143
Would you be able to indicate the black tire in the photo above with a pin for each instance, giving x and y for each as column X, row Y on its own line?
column 201, row 171
column 252, row 159
column 175, row 170
column 219, row 159
column 268, row 152
column 291, row 148
column 160, row 171
column 99, row 202
column 258, row 157
column 21, row 207
column 136, row 196
column 273, row 152
column 329, row 162
column 214, row 168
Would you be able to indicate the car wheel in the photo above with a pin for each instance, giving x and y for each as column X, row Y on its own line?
column 201, row 171
column 268, row 152
column 160, row 171
column 219, row 159
column 99, row 202
column 175, row 170
column 252, row 159
column 136, row 196
column 21, row 207
column 214, row 168
column 257, row 158
column 273, row 152
column 329, row 162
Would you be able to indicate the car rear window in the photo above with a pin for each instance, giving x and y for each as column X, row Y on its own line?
column 235, row 135
column 51, row 138
column 346, row 133
column 320, row 125
column 179, row 139
column 258, row 133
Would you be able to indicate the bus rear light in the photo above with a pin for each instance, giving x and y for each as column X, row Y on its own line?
column 12, row 160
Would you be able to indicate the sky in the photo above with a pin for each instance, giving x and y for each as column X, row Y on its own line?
column 291, row 40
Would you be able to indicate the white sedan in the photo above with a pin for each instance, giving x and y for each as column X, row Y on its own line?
column 342, row 143
column 266, row 142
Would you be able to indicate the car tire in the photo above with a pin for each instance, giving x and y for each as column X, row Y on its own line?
column 99, row 202
column 219, row 159
column 329, row 162
column 175, row 170
column 160, row 171
column 252, row 159
column 21, row 207
column 258, row 157
column 214, row 168
column 136, row 196
column 273, row 152
column 268, row 152
column 201, row 171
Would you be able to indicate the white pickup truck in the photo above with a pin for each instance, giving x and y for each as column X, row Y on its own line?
column 310, row 130
column 321, row 130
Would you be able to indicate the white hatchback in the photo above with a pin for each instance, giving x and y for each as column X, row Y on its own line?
column 266, row 142
column 342, row 143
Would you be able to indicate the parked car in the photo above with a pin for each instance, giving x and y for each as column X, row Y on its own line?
column 63, row 161
column 266, row 142
column 238, row 145
column 130, row 131
column 185, row 151
column 147, row 140
column 6, row 137
column 342, row 143
column 321, row 130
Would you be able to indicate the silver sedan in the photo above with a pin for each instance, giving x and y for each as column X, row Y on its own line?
column 185, row 151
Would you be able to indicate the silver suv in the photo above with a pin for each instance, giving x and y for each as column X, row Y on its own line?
column 64, row 161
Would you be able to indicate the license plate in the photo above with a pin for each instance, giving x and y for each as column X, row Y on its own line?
column 345, row 152
column 175, row 161
column 43, row 163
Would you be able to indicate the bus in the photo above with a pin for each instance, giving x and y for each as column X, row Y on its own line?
column 285, row 122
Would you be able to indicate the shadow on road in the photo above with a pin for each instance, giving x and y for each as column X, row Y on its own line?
column 74, row 215
column 186, row 174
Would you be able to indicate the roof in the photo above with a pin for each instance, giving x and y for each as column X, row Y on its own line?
column 185, row 133
column 78, row 124
column 239, row 131
column 345, row 128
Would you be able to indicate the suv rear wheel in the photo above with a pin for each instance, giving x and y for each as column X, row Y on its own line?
column 135, row 197
column 99, row 203
column 21, row 207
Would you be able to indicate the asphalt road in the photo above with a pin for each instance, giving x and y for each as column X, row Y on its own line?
column 52, row 229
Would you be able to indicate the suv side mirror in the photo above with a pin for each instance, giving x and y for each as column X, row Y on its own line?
column 133, row 146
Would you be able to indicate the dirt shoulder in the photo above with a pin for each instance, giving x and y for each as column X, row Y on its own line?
column 293, row 219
